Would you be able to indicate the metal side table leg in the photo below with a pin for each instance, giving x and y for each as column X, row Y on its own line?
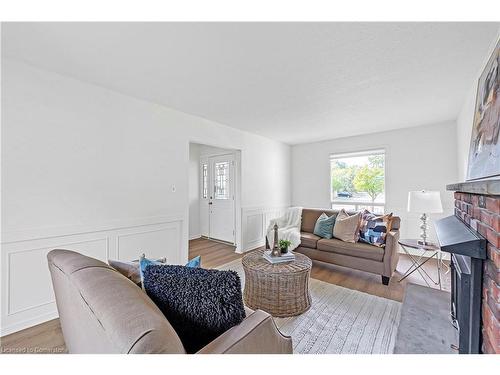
column 417, row 266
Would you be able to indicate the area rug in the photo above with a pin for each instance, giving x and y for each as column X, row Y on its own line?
column 340, row 320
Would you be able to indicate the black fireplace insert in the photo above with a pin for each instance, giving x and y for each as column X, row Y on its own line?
column 468, row 249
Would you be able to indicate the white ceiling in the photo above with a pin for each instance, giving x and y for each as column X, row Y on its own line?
column 294, row 82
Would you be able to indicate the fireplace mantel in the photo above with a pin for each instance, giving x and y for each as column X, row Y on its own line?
column 456, row 237
column 485, row 187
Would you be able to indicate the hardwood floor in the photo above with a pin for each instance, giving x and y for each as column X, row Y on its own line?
column 47, row 337
column 213, row 254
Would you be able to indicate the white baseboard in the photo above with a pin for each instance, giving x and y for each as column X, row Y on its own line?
column 243, row 251
column 194, row 236
column 4, row 331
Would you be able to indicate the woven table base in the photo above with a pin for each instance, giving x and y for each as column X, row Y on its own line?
column 280, row 289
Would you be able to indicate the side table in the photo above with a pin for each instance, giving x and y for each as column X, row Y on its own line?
column 418, row 260
column 280, row 289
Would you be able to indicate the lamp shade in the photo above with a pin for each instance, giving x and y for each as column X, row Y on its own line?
column 428, row 202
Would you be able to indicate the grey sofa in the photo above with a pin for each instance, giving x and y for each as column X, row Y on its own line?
column 101, row 311
column 361, row 256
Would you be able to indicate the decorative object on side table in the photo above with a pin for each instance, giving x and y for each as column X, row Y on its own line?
column 275, row 252
column 279, row 253
column 284, row 245
column 288, row 257
column 424, row 202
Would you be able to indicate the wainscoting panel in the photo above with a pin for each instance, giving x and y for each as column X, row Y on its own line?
column 29, row 284
column 27, row 294
column 154, row 242
column 254, row 222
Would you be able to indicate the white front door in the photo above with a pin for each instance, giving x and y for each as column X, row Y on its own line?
column 217, row 197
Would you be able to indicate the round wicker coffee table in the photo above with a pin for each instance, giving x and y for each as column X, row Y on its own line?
column 280, row 289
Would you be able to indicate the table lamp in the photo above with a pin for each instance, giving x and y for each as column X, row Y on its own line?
column 424, row 202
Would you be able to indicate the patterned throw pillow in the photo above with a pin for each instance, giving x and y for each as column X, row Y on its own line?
column 374, row 228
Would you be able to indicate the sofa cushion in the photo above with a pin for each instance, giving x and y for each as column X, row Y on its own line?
column 358, row 249
column 200, row 304
column 308, row 240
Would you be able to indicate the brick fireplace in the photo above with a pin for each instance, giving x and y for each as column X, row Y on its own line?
column 477, row 204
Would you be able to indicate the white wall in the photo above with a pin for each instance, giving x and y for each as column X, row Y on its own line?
column 207, row 151
column 89, row 169
column 465, row 118
column 416, row 158
column 194, row 191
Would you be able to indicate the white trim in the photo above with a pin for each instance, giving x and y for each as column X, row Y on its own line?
column 4, row 331
column 195, row 236
column 358, row 203
column 38, row 233
column 246, row 250
column 376, row 151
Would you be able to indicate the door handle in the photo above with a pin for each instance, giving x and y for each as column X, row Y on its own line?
column 210, row 203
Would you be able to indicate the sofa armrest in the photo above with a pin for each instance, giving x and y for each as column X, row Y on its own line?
column 257, row 334
column 391, row 255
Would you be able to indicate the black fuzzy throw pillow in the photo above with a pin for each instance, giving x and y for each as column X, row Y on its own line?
column 200, row 304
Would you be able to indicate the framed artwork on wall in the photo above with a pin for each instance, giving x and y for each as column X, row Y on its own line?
column 484, row 151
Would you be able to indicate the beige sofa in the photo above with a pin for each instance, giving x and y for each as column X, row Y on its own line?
column 101, row 311
column 361, row 256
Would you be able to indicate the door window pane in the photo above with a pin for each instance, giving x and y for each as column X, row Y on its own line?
column 221, row 180
column 205, row 181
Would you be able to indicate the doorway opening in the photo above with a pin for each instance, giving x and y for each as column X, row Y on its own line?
column 213, row 193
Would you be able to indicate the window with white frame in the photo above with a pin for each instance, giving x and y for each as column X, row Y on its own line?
column 358, row 181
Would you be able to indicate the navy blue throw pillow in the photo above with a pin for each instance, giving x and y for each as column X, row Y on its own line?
column 200, row 304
